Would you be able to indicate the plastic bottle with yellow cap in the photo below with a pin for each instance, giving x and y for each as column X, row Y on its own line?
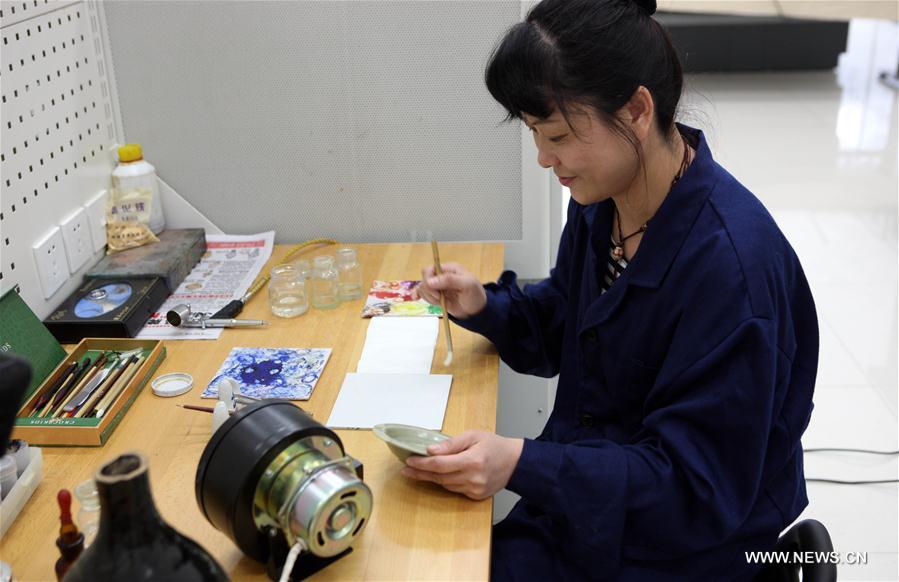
column 135, row 173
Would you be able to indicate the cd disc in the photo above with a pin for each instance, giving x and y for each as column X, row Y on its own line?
column 102, row 300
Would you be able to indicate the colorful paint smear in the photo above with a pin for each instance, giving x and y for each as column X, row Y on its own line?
column 395, row 298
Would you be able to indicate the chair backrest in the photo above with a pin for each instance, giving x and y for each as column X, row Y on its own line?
column 806, row 536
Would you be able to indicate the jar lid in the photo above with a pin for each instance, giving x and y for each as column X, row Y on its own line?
column 130, row 153
column 173, row 384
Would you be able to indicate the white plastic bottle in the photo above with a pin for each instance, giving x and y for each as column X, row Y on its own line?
column 135, row 173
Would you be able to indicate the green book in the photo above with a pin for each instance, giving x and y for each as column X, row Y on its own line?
column 23, row 334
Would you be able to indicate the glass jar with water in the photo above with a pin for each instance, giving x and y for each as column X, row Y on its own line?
column 324, row 283
column 287, row 292
column 349, row 282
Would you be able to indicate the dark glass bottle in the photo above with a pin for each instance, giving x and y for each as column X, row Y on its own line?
column 133, row 542
column 70, row 541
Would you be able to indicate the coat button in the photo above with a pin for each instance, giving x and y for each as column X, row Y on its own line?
column 586, row 420
column 590, row 335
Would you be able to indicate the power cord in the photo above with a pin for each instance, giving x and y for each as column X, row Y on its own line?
column 865, row 451
column 295, row 550
column 846, row 450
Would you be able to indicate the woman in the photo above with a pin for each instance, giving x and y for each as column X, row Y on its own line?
column 677, row 316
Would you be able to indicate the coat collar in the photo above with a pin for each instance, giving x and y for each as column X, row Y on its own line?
column 666, row 233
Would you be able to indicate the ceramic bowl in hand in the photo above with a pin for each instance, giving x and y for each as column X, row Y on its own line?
column 404, row 440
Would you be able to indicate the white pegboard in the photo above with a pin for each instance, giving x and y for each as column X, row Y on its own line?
column 57, row 128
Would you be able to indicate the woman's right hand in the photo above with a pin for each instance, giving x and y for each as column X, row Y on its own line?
column 465, row 296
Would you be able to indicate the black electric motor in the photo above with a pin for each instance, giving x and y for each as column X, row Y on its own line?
column 272, row 478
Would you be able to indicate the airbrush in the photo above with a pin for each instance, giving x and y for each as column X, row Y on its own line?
column 182, row 316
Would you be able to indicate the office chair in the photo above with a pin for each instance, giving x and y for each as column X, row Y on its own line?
column 806, row 536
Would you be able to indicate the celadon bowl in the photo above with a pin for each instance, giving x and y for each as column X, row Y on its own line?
column 404, row 440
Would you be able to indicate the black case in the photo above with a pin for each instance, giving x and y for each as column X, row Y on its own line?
column 125, row 320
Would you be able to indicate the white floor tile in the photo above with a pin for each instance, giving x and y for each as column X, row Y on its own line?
column 835, row 364
column 863, row 317
column 890, row 396
column 854, row 417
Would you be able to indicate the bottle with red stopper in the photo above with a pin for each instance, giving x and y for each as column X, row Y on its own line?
column 70, row 541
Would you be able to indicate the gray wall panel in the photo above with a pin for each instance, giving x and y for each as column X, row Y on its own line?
column 358, row 120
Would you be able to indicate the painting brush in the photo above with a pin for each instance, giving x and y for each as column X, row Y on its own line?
column 109, row 399
column 103, row 388
column 211, row 410
column 446, row 321
column 44, row 398
column 208, row 409
column 85, row 380
column 73, row 380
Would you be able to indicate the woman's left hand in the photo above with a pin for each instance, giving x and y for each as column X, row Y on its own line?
column 476, row 464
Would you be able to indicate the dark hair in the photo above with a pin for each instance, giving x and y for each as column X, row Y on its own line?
column 586, row 52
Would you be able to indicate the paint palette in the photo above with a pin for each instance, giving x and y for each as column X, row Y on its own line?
column 404, row 440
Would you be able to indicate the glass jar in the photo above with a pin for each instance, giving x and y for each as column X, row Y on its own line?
column 324, row 283
column 88, row 510
column 287, row 292
column 349, row 273
column 304, row 267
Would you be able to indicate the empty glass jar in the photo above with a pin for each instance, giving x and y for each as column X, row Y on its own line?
column 89, row 510
column 349, row 282
column 324, row 283
column 287, row 292
column 304, row 267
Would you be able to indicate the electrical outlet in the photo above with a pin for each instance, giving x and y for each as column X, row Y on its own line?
column 96, row 218
column 50, row 260
column 77, row 238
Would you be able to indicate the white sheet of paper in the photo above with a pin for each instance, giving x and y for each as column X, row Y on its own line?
column 369, row 399
column 397, row 331
column 405, row 360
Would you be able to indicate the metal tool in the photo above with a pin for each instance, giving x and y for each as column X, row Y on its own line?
column 182, row 316
column 92, row 385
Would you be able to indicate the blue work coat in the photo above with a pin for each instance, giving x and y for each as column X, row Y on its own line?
column 673, row 446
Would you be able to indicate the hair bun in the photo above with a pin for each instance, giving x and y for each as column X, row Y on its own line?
column 649, row 6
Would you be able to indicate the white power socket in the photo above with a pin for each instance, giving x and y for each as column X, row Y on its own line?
column 77, row 237
column 50, row 260
column 96, row 216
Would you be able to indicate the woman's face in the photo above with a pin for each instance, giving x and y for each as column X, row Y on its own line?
column 587, row 157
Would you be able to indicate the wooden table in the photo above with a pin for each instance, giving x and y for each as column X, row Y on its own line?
column 417, row 530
